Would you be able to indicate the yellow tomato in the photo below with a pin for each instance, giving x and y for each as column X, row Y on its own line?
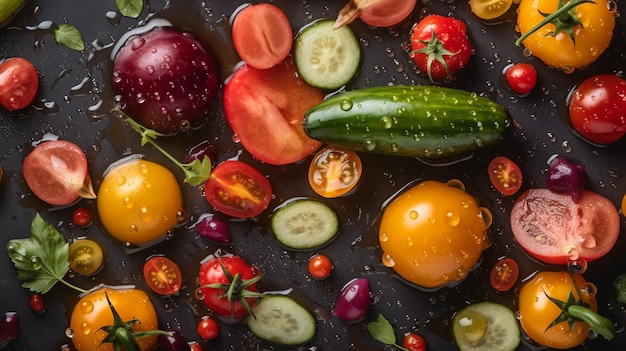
column 490, row 9
column 434, row 233
column 93, row 312
column 590, row 38
column 139, row 201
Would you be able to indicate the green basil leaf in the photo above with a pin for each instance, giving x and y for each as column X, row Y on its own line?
column 69, row 36
column 382, row 331
column 130, row 8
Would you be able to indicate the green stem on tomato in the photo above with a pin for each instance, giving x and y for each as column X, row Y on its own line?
column 562, row 10
column 597, row 322
column 196, row 172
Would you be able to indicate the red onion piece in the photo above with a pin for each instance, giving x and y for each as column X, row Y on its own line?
column 354, row 301
column 213, row 229
column 566, row 177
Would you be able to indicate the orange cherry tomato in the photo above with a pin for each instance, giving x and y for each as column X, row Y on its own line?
column 505, row 175
column 334, row 171
column 162, row 275
column 320, row 266
column 504, row 274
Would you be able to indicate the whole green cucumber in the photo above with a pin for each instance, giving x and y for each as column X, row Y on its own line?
column 420, row 121
column 8, row 9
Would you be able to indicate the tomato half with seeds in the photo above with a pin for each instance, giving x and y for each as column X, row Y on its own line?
column 92, row 312
column 555, row 230
column 265, row 109
column 86, row 257
column 139, row 201
column 238, row 190
column 490, row 9
column 504, row 274
column 334, row 171
column 433, row 234
column 505, row 175
column 162, row 275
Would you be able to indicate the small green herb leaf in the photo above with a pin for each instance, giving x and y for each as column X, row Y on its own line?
column 41, row 260
column 130, row 8
column 69, row 36
column 382, row 331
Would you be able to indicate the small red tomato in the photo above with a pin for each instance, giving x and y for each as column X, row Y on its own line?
column 162, row 275
column 504, row 274
column 19, row 82
column 505, row 175
column 36, row 303
column 521, row 77
column 194, row 346
column 208, row 328
column 81, row 217
column 414, row 342
column 320, row 266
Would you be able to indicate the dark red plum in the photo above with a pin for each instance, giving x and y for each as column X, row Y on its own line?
column 166, row 78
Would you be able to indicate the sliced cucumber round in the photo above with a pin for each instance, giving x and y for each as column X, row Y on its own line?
column 486, row 326
column 304, row 224
column 326, row 58
column 281, row 320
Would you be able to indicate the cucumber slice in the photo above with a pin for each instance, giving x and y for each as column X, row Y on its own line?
column 304, row 224
column 486, row 326
column 326, row 58
column 282, row 320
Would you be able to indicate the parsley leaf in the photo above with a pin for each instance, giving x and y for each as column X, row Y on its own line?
column 68, row 35
column 130, row 8
column 41, row 260
column 382, row 331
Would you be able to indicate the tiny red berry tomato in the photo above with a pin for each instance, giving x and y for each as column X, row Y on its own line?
column 162, row 275
column 521, row 77
column 320, row 266
column 504, row 274
column 505, row 175
column 414, row 342
column 81, row 217
column 37, row 303
column 208, row 328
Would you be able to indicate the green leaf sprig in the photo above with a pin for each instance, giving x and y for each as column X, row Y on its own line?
column 68, row 35
column 43, row 259
column 129, row 8
column 382, row 331
column 196, row 172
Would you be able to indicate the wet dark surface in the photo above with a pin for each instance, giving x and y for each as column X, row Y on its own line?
column 73, row 102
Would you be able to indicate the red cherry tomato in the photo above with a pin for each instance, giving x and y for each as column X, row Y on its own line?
column 414, row 342
column 597, row 108
column 440, row 46
column 19, row 82
column 262, row 35
column 554, row 229
column 320, row 266
column 37, row 303
column 504, row 274
column 236, row 189
column 81, row 217
column 521, row 77
column 265, row 109
column 162, row 275
column 194, row 346
column 505, row 175
column 208, row 328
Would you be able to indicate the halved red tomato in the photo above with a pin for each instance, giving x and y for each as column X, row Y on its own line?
column 265, row 109
column 162, row 275
column 504, row 274
column 505, row 175
column 334, row 171
column 555, row 230
column 237, row 189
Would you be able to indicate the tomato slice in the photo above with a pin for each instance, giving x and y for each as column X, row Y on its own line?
column 162, row 275
column 334, row 171
column 262, row 35
column 505, row 175
column 555, row 230
column 504, row 274
column 237, row 189
column 490, row 9
column 86, row 257
column 265, row 109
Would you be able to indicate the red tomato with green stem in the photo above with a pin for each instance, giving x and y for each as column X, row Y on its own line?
column 440, row 46
column 238, row 190
column 597, row 108
column 228, row 286
column 19, row 82
column 521, row 77
column 262, row 35
column 265, row 109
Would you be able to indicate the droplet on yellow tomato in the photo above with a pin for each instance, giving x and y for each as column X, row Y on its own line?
column 434, row 233
column 139, row 201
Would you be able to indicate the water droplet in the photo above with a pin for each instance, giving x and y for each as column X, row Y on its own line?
column 578, row 266
column 388, row 261
column 346, row 104
column 413, row 214
column 128, row 203
column 69, row 333
column 383, row 237
column 35, row 263
column 133, row 228
column 121, row 180
column 452, row 218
